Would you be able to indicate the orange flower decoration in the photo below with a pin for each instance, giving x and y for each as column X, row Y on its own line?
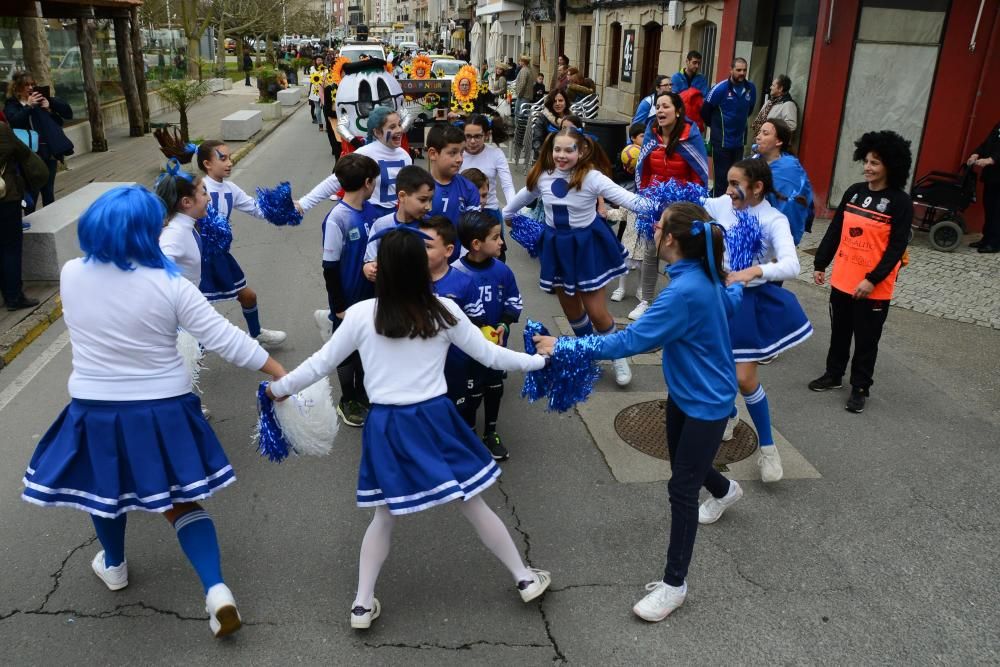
column 421, row 67
column 465, row 85
column 337, row 71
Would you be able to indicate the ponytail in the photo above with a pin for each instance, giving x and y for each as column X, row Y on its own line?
column 687, row 223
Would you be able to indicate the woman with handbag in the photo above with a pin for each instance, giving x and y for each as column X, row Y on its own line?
column 30, row 109
column 17, row 165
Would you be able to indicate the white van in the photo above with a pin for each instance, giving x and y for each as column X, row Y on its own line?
column 407, row 46
column 354, row 50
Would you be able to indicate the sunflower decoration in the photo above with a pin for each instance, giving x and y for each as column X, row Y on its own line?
column 315, row 78
column 337, row 71
column 483, row 88
column 465, row 87
column 421, row 67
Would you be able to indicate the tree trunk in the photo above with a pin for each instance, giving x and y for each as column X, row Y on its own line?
column 193, row 55
column 139, row 68
column 220, row 50
column 35, row 50
column 123, row 48
column 182, row 110
column 84, row 37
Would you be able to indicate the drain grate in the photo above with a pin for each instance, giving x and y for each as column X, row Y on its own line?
column 643, row 427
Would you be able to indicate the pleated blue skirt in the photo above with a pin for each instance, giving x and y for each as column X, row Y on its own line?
column 110, row 457
column 768, row 322
column 414, row 457
column 583, row 259
column 221, row 277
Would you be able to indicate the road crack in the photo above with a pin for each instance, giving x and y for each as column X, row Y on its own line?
column 461, row 647
column 57, row 575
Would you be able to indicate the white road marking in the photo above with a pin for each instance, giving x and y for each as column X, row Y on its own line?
column 33, row 369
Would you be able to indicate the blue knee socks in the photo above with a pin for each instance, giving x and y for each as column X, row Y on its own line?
column 196, row 533
column 253, row 321
column 111, row 535
column 760, row 413
column 582, row 326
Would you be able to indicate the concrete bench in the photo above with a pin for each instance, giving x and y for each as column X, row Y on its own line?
column 51, row 241
column 289, row 97
column 242, row 125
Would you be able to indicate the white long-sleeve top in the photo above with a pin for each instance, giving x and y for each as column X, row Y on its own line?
column 492, row 162
column 401, row 371
column 227, row 197
column 123, row 329
column 776, row 234
column 577, row 207
column 179, row 242
column 390, row 161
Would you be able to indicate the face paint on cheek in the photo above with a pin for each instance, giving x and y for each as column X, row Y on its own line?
column 220, row 154
column 739, row 192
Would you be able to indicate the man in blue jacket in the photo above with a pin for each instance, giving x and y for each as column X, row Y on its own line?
column 726, row 110
column 689, row 76
column 646, row 108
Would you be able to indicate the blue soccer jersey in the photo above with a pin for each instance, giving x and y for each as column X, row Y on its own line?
column 345, row 237
column 454, row 199
column 497, row 289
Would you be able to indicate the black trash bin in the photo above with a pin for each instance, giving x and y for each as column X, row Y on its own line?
column 612, row 136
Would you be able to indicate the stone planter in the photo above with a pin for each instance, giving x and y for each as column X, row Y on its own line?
column 268, row 110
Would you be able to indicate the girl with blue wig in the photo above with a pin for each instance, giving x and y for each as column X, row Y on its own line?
column 133, row 436
column 385, row 140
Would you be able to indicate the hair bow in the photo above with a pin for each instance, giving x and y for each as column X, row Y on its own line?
column 191, row 148
column 174, row 170
column 459, row 124
column 401, row 228
column 699, row 227
column 582, row 133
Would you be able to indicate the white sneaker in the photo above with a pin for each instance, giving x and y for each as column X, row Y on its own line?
column 361, row 618
column 660, row 602
column 730, row 428
column 618, row 294
column 322, row 318
column 769, row 462
column 530, row 590
column 270, row 337
column 638, row 311
column 206, row 413
column 712, row 509
column 623, row 374
column 223, row 616
column 115, row 578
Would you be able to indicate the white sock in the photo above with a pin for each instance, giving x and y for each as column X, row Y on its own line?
column 621, row 281
column 374, row 550
column 495, row 536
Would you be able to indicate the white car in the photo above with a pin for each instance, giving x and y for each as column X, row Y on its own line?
column 354, row 50
column 446, row 68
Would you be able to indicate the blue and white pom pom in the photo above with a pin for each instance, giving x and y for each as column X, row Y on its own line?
column 661, row 195
column 277, row 206
column 216, row 233
column 527, row 231
column 192, row 355
column 305, row 424
column 570, row 374
column 744, row 241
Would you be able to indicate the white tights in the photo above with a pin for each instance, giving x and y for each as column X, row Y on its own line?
column 491, row 530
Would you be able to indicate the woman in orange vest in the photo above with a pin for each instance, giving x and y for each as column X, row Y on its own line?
column 868, row 236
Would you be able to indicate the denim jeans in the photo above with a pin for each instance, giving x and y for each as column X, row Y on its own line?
column 693, row 444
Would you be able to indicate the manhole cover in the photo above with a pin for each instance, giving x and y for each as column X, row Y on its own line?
column 643, row 426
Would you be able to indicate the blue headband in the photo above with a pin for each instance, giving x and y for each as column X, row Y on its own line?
column 174, row 170
column 399, row 228
column 699, row 227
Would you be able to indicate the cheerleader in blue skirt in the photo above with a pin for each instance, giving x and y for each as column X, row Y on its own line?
column 133, row 436
column 222, row 278
column 578, row 257
column 417, row 452
column 760, row 252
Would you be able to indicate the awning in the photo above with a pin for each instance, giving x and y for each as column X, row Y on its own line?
column 499, row 8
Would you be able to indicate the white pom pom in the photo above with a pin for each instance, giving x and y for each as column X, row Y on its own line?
column 308, row 420
column 192, row 355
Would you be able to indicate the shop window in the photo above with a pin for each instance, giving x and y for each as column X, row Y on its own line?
column 614, row 54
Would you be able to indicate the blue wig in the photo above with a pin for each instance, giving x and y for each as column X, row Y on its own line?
column 376, row 120
column 123, row 226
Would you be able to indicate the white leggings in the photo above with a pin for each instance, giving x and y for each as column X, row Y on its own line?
column 491, row 530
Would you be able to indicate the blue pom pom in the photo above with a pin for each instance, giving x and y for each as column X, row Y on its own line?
column 270, row 440
column 744, row 241
column 216, row 233
column 661, row 195
column 569, row 376
column 527, row 231
column 277, row 206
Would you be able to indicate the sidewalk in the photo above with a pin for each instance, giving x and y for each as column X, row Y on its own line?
column 131, row 159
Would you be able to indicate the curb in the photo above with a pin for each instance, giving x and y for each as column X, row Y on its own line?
column 17, row 339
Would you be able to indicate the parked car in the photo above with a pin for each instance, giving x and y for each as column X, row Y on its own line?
column 446, row 68
column 230, row 45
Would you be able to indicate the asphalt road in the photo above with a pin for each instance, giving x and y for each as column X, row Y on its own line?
column 889, row 558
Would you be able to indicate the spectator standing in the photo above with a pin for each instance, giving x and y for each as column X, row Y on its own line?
column 987, row 157
column 647, row 108
column 726, row 110
column 689, row 77
column 579, row 86
column 538, row 91
column 247, row 66
column 548, row 120
column 28, row 109
column 17, row 165
column 562, row 72
column 779, row 105
column 523, row 93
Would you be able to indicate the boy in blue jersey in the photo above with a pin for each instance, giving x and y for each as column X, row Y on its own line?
column 454, row 194
column 415, row 190
column 455, row 285
column 345, row 237
column 480, row 234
